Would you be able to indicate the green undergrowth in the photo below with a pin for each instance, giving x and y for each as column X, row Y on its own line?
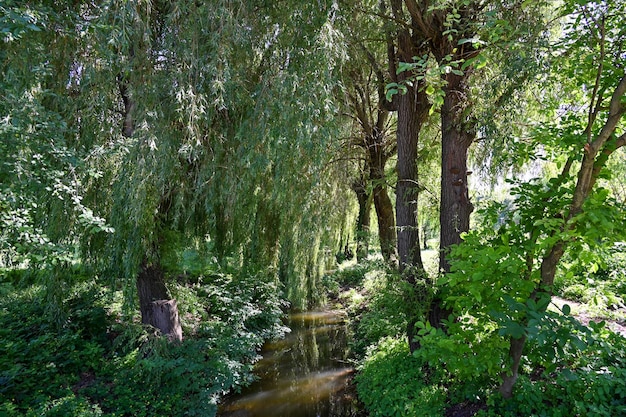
column 598, row 282
column 393, row 383
column 568, row 369
column 590, row 382
column 369, row 292
column 93, row 362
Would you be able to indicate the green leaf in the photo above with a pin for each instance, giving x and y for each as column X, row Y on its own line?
column 405, row 66
column 566, row 309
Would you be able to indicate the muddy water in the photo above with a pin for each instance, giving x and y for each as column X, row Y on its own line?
column 306, row 374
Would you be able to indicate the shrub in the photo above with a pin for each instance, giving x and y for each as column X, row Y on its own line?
column 394, row 383
column 91, row 363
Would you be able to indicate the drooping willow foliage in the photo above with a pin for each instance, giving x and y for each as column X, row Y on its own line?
column 184, row 124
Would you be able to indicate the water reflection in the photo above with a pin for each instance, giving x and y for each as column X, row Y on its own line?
column 303, row 375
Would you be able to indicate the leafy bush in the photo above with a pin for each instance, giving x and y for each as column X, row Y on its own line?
column 394, row 383
column 93, row 364
column 354, row 275
column 381, row 313
column 591, row 383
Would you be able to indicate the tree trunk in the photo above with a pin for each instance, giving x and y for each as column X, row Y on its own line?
column 588, row 172
column 382, row 203
column 455, row 206
column 456, row 138
column 154, row 301
column 407, row 191
column 363, row 220
column 157, row 309
column 164, row 315
column 386, row 224
column 412, row 109
column 515, row 354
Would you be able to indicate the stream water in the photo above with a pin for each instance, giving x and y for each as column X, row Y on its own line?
column 306, row 374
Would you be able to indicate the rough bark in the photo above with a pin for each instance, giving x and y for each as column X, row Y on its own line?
column 455, row 205
column 157, row 309
column 411, row 114
column 412, row 110
column 164, row 316
column 456, row 138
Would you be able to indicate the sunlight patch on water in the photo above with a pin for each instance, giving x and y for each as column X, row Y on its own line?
column 302, row 375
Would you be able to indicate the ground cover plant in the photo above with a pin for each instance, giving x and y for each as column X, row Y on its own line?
column 89, row 362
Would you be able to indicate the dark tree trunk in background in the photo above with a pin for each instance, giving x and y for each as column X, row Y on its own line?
column 455, row 207
column 382, row 203
column 386, row 224
column 363, row 220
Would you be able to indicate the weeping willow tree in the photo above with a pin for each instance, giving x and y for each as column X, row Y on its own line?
column 188, row 122
column 232, row 131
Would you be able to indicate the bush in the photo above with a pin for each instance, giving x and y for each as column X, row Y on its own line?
column 90, row 363
column 394, row 383
column 590, row 384
column 381, row 313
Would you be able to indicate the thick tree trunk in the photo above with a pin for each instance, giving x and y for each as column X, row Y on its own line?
column 363, row 220
column 386, row 224
column 455, row 206
column 407, row 191
column 157, row 309
column 382, row 203
column 412, row 111
column 164, row 316
column 456, row 138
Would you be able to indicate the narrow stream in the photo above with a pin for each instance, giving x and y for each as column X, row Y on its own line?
column 306, row 374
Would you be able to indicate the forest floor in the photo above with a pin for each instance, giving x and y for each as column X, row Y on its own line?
column 584, row 314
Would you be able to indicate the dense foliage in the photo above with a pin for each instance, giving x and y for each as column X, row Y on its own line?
column 96, row 364
column 210, row 152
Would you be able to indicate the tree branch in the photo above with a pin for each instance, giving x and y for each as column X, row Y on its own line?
column 621, row 141
column 418, row 17
column 616, row 111
column 593, row 110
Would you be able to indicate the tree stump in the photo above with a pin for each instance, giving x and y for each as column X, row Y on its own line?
column 164, row 316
